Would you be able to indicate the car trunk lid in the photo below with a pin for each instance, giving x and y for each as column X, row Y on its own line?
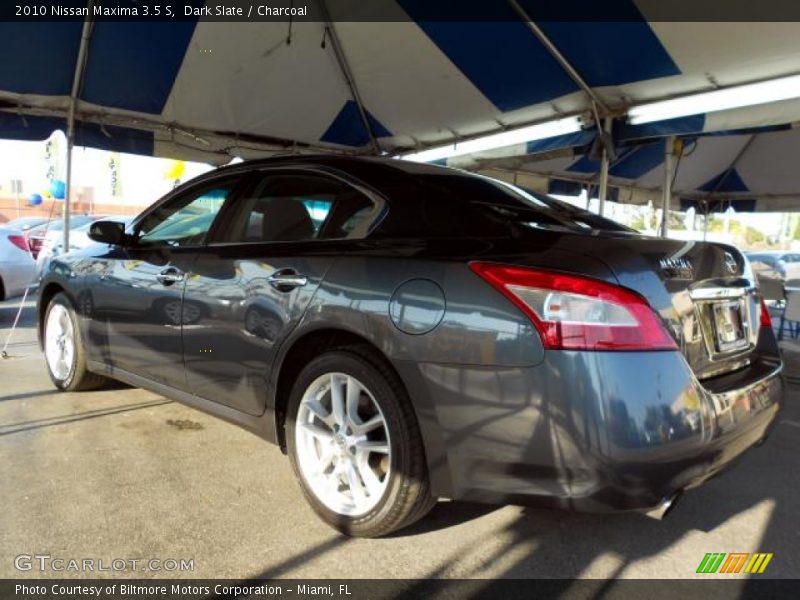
column 704, row 292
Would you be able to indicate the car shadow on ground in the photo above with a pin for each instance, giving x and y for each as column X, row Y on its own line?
column 563, row 544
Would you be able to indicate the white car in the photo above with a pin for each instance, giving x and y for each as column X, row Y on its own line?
column 17, row 267
column 53, row 244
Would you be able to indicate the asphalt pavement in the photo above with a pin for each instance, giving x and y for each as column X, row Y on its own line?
column 122, row 473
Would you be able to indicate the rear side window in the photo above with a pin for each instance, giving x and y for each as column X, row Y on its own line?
column 450, row 203
column 291, row 208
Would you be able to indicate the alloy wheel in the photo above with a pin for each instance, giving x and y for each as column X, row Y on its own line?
column 59, row 342
column 343, row 444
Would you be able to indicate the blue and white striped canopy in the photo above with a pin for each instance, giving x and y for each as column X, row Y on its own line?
column 209, row 90
column 750, row 170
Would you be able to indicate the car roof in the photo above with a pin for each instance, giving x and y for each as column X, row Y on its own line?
column 372, row 165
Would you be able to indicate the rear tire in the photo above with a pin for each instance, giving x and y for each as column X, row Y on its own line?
column 64, row 352
column 362, row 466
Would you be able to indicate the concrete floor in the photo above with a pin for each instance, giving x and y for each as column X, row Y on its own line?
column 123, row 473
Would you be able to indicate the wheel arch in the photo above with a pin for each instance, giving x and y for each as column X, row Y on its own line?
column 319, row 340
column 300, row 352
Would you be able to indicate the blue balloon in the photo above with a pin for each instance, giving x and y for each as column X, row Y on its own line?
column 35, row 199
column 59, row 189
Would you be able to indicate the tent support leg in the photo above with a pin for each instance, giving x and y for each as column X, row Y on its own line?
column 603, row 192
column 669, row 168
column 77, row 82
column 68, row 178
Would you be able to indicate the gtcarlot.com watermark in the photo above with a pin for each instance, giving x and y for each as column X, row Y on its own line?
column 57, row 564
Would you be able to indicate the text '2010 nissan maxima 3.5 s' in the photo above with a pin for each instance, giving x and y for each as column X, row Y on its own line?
column 407, row 332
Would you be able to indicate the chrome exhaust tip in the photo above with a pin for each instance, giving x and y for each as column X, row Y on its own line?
column 664, row 507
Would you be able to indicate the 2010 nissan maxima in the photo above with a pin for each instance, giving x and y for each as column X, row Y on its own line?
column 407, row 332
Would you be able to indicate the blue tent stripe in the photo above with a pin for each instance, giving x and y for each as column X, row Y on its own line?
column 639, row 161
column 605, row 53
column 38, row 58
column 608, row 53
column 680, row 126
column 632, row 162
column 114, row 139
column 348, row 128
column 481, row 51
column 568, row 140
column 727, row 181
column 109, row 137
column 133, row 65
column 560, row 187
column 17, row 127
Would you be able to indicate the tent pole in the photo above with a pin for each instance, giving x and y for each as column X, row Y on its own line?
column 604, row 164
column 556, row 53
column 348, row 75
column 669, row 168
column 80, row 67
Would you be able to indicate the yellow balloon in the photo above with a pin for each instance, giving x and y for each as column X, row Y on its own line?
column 175, row 170
column 47, row 194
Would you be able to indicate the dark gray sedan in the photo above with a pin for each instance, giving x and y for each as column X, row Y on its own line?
column 407, row 332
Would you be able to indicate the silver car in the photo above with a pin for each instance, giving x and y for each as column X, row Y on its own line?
column 17, row 266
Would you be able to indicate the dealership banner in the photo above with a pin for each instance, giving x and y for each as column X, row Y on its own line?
column 357, row 589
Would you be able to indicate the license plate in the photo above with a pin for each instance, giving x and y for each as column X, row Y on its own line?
column 729, row 326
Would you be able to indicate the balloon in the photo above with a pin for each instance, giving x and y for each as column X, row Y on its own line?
column 175, row 170
column 35, row 200
column 59, row 189
column 47, row 194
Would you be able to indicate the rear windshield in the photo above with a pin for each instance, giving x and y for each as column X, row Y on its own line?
column 453, row 204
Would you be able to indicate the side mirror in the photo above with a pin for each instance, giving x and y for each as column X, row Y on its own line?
column 107, row 232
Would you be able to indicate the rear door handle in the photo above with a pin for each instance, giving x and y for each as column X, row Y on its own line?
column 285, row 280
column 170, row 275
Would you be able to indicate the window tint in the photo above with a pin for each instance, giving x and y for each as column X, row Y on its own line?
column 448, row 203
column 287, row 208
column 184, row 221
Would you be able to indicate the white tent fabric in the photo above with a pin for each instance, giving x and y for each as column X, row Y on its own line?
column 211, row 90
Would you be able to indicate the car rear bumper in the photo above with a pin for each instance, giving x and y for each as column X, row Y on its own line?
column 592, row 431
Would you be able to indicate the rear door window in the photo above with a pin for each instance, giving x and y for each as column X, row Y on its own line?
column 299, row 207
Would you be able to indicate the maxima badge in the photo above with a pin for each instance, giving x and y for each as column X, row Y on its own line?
column 676, row 268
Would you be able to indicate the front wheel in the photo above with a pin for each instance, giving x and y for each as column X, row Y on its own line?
column 355, row 445
column 63, row 348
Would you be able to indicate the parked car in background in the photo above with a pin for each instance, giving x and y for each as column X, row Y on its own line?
column 25, row 223
column 78, row 238
column 407, row 332
column 49, row 233
column 781, row 264
column 17, row 267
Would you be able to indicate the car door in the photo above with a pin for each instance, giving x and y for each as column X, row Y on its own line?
column 256, row 278
column 138, row 299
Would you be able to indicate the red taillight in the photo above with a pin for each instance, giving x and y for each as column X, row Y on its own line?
column 578, row 313
column 20, row 242
column 765, row 318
